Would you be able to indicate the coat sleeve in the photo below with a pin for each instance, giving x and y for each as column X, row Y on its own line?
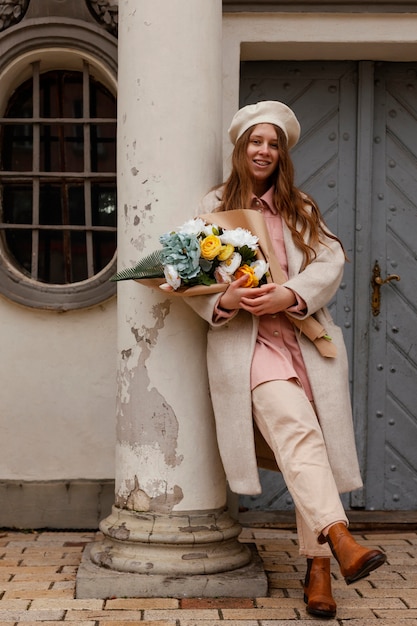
column 319, row 281
column 210, row 201
column 205, row 306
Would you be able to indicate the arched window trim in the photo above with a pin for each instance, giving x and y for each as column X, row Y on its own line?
column 64, row 44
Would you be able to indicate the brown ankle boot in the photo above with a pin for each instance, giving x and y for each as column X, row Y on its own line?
column 355, row 561
column 318, row 589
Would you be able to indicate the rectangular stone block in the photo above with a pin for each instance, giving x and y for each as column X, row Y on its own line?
column 97, row 582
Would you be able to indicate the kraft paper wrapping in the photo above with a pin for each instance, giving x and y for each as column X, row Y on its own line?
column 255, row 223
column 196, row 290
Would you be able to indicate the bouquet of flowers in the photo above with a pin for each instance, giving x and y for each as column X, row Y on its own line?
column 203, row 254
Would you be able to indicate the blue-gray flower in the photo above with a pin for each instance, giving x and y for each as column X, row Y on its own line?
column 181, row 250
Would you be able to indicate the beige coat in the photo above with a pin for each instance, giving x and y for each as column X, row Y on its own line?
column 230, row 346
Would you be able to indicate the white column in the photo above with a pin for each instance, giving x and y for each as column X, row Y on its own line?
column 169, row 155
column 170, row 515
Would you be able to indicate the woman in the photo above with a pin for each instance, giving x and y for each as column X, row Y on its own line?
column 265, row 374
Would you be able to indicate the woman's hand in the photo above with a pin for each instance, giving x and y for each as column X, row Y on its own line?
column 267, row 299
column 233, row 295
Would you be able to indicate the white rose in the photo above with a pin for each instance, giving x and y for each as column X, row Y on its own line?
column 260, row 268
column 192, row 227
column 240, row 237
column 210, row 229
column 172, row 277
column 230, row 266
column 221, row 275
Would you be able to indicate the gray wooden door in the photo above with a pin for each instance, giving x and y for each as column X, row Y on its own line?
column 392, row 426
column 357, row 157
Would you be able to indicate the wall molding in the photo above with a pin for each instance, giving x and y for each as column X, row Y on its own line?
column 352, row 6
column 57, row 505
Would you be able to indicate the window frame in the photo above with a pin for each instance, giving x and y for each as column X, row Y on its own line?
column 55, row 47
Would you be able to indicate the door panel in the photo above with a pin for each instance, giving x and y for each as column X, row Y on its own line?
column 393, row 340
column 364, row 180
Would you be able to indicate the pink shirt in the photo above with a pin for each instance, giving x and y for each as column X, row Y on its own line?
column 277, row 354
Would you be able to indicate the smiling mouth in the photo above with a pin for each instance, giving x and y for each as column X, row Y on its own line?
column 261, row 163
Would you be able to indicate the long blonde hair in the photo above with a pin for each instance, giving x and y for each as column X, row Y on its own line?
column 299, row 211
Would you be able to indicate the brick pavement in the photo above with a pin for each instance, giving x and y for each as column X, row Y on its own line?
column 38, row 571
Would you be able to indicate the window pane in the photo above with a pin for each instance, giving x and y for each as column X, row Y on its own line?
column 61, row 94
column 104, row 249
column 102, row 102
column 79, row 269
column 51, row 267
column 50, row 204
column 17, row 147
column 19, row 247
column 62, row 257
column 62, row 204
column 17, row 209
column 62, row 148
column 49, row 101
column 21, row 102
column 72, row 95
column 103, row 201
column 103, row 147
column 76, row 210
column 17, row 204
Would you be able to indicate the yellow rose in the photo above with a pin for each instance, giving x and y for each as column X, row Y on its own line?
column 252, row 280
column 226, row 252
column 210, row 247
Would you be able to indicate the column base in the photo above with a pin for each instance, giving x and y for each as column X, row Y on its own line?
column 94, row 581
column 190, row 542
column 188, row 554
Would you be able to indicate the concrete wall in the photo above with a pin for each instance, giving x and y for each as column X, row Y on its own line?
column 57, row 416
column 57, row 393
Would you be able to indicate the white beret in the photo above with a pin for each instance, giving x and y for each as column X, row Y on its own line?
column 266, row 112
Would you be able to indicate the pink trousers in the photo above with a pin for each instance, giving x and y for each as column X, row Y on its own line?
column 289, row 425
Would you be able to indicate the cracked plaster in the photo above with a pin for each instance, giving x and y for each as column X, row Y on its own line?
column 147, row 427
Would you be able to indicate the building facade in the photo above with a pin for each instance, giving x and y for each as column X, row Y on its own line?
column 67, row 162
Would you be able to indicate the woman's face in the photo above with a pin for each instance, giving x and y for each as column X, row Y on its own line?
column 262, row 153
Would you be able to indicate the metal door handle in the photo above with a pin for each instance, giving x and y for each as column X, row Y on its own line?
column 376, row 283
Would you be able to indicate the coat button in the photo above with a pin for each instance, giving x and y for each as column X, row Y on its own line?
column 276, row 333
